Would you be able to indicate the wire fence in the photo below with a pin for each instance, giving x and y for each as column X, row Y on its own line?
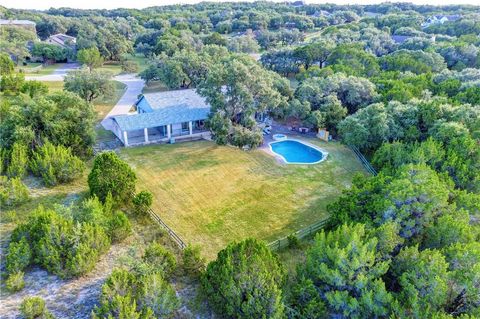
column 302, row 233
column 175, row 237
column 364, row 161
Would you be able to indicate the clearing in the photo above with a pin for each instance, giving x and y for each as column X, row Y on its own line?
column 211, row 195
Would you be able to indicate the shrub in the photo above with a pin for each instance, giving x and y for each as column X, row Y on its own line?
column 34, row 308
column 142, row 202
column 17, row 166
column 111, row 175
column 12, row 192
column 60, row 245
column 56, row 164
column 242, row 273
column 18, row 256
column 193, row 262
column 119, row 227
column 293, row 241
column 129, row 66
column 160, row 259
column 15, row 282
column 129, row 295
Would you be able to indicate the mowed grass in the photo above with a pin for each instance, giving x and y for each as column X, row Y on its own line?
column 104, row 104
column 31, row 69
column 212, row 195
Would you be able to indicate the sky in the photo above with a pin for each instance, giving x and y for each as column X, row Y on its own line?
column 111, row 4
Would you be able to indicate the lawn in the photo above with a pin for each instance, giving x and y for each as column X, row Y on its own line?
column 212, row 195
column 30, row 69
column 103, row 105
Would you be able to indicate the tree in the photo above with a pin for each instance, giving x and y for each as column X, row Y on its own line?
column 12, row 192
column 90, row 57
column 237, row 88
column 367, row 128
column 315, row 53
column 193, row 262
column 89, row 85
column 6, row 64
column 345, row 269
column 423, row 279
column 111, row 175
column 49, row 52
column 245, row 282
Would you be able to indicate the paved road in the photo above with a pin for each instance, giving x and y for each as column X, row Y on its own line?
column 57, row 75
column 134, row 88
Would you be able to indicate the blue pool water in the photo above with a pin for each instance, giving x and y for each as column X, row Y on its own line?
column 296, row 152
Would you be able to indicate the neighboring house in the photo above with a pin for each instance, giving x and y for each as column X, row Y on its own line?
column 440, row 19
column 399, row 39
column 321, row 13
column 179, row 114
column 62, row 40
column 25, row 24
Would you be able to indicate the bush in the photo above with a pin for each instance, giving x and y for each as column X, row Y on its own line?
column 242, row 273
column 193, row 262
column 160, row 259
column 128, row 295
column 18, row 256
column 142, row 202
column 17, row 166
column 61, row 246
column 119, row 227
column 111, row 175
column 129, row 66
column 12, row 192
column 56, row 164
column 34, row 308
column 15, row 282
column 293, row 241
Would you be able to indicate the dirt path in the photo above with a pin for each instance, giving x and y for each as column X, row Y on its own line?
column 73, row 298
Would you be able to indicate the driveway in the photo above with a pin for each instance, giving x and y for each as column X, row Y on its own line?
column 57, row 75
column 134, row 88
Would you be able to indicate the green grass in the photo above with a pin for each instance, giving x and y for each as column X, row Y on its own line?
column 54, row 86
column 104, row 104
column 212, row 195
column 46, row 70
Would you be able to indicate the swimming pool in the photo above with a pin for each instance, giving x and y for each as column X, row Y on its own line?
column 296, row 152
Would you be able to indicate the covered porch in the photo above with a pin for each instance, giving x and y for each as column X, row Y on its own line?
column 164, row 133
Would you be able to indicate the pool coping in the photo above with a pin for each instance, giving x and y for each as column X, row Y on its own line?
column 324, row 153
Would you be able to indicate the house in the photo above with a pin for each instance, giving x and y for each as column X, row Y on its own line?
column 62, row 40
column 399, row 39
column 441, row 19
column 164, row 117
column 321, row 13
column 25, row 24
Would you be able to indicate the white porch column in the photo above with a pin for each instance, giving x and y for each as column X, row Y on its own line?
column 125, row 138
column 169, row 130
column 145, row 132
column 190, row 128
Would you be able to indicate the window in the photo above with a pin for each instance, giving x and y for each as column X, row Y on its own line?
column 185, row 126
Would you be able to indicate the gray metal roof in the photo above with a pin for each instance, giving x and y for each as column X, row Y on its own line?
column 169, row 107
column 174, row 98
column 16, row 22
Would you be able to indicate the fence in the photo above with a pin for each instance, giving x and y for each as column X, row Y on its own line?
column 177, row 239
column 364, row 161
column 170, row 231
column 302, row 233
